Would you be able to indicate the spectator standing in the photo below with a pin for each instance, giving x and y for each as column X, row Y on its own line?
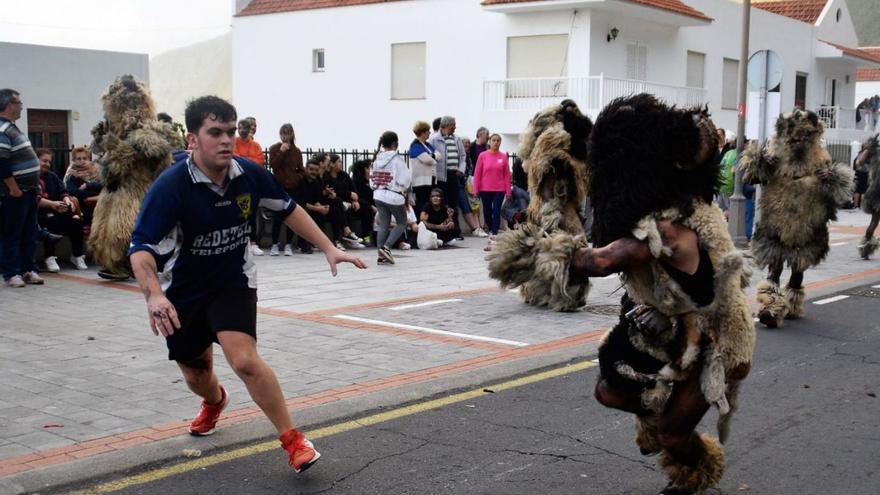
column 492, row 183
column 727, row 180
column 246, row 147
column 19, row 190
column 211, row 293
column 59, row 213
column 450, row 166
column 423, row 162
column 390, row 180
column 464, row 201
column 480, row 144
column 286, row 161
column 437, row 217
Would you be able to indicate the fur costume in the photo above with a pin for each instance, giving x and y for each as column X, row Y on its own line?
column 536, row 256
column 134, row 148
column 801, row 191
column 871, row 198
column 649, row 163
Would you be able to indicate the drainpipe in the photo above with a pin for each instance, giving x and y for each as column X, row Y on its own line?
column 736, row 224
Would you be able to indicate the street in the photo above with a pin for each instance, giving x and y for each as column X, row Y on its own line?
column 807, row 425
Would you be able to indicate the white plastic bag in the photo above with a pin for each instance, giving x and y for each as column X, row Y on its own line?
column 427, row 239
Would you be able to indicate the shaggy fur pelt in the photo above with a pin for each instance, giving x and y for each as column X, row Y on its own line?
column 134, row 147
column 645, row 157
column 536, row 257
column 772, row 305
column 794, row 298
column 797, row 201
column 867, row 246
column 871, row 198
column 705, row 474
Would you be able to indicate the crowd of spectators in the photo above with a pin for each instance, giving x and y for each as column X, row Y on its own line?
column 384, row 203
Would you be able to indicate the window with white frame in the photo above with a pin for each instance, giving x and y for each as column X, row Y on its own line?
column 540, row 62
column 408, row 71
column 637, row 61
column 318, row 60
column 730, row 84
column 696, row 70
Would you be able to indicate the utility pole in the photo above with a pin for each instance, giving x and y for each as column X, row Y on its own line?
column 736, row 224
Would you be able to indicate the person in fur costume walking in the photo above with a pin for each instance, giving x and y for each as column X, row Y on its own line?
column 801, row 191
column 685, row 337
column 554, row 147
column 870, row 157
column 134, row 148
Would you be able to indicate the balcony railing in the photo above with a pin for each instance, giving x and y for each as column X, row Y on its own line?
column 837, row 117
column 591, row 93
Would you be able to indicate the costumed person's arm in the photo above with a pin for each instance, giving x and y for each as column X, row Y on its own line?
column 153, row 141
column 620, row 255
column 757, row 164
column 836, row 183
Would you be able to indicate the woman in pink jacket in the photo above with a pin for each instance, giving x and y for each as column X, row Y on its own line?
column 492, row 184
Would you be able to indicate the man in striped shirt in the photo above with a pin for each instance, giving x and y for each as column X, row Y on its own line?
column 451, row 165
column 19, row 190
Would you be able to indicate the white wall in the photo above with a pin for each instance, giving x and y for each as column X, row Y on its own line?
column 53, row 78
column 349, row 104
column 842, row 32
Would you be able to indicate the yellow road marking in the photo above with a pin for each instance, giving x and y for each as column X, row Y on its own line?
column 211, row 460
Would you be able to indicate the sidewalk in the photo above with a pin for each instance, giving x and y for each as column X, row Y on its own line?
column 85, row 379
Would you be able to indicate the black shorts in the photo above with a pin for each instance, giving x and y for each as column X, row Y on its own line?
column 229, row 309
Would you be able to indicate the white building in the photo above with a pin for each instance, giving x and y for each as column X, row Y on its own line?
column 343, row 71
column 868, row 79
column 61, row 89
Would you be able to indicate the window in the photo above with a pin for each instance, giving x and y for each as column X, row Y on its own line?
column 408, row 71
column 636, row 61
column 696, row 70
column 543, row 56
column 318, row 60
column 800, row 91
column 730, row 84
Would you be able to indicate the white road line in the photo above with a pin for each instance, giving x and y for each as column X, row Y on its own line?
column 420, row 305
column 433, row 331
column 876, row 286
column 839, row 243
column 831, row 299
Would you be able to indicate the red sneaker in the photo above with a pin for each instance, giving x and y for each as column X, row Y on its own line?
column 301, row 452
column 206, row 422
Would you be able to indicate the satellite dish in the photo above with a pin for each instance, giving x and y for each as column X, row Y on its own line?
column 765, row 70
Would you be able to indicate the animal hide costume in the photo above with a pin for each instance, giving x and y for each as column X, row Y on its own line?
column 134, row 148
column 870, row 157
column 535, row 256
column 801, row 191
column 650, row 165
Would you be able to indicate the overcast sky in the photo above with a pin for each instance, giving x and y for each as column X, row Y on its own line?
column 141, row 26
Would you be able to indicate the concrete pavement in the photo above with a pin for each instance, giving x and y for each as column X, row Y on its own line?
column 85, row 383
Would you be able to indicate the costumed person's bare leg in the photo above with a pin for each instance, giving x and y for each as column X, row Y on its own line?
column 794, row 295
column 869, row 243
column 772, row 304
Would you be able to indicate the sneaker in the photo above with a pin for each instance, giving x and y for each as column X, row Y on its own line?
column 404, row 246
column 52, row 264
column 274, row 251
column 339, row 246
column 78, row 261
column 307, row 250
column 15, row 281
column 452, row 242
column 288, row 250
column 478, row 232
column 206, row 422
column 352, row 237
column 385, row 253
column 352, row 244
column 301, row 452
column 32, row 278
column 256, row 251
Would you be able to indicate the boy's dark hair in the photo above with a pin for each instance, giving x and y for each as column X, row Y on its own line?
column 164, row 117
column 334, row 157
column 314, row 160
column 204, row 107
column 436, row 124
column 320, row 156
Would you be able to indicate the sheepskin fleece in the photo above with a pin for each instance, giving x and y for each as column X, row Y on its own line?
column 134, row 150
column 871, row 199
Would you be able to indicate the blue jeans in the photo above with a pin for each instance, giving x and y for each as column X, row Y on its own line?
column 492, row 209
column 750, row 217
column 18, row 234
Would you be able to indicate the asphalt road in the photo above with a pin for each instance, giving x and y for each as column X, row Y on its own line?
column 808, row 425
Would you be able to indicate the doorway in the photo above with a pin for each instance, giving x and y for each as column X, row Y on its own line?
column 48, row 129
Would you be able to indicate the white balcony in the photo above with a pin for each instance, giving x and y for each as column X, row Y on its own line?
column 508, row 104
column 840, row 123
